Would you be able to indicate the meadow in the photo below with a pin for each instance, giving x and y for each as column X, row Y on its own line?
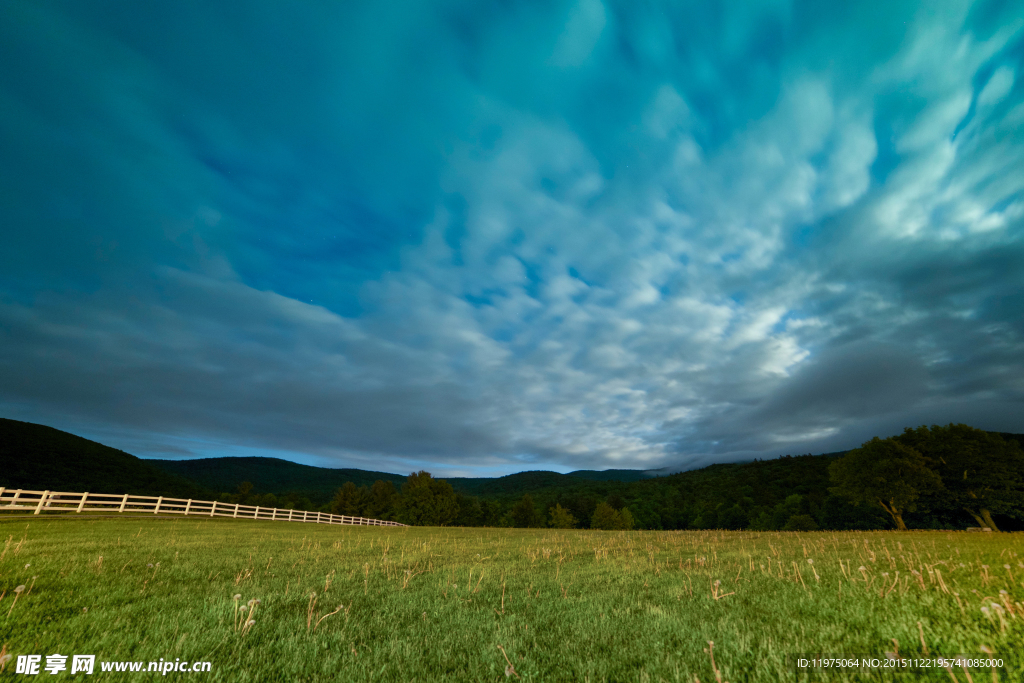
column 423, row 604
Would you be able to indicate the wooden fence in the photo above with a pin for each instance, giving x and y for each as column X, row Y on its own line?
column 63, row 501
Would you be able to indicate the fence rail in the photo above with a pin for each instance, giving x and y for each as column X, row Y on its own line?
column 64, row 501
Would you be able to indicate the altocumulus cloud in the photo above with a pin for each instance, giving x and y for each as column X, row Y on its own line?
column 483, row 237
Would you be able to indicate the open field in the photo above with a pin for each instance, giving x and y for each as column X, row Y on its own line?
column 361, row 604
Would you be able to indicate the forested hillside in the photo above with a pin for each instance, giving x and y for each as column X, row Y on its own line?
column 791, row 492
column 271, row 475
column 34, row 456
column 319, row 484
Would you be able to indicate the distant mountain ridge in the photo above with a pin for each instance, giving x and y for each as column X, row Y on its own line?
column 619, row 475
column 35, row 456
column 268, row 475
column 274, row 475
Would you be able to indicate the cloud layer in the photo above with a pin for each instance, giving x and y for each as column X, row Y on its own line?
column 485, row 237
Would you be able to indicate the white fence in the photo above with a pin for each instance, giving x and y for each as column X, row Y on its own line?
column 63, row 501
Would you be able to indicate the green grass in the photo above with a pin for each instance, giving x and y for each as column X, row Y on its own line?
column 435, row 604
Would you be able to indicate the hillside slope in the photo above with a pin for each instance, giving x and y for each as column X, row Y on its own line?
column 34, row 456
column 271, row 475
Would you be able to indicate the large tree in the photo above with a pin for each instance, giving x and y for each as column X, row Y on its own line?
column 426, row 501
column 884, row 472
column 982, row 473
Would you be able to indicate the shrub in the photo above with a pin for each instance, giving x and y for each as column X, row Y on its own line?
column 800, row 523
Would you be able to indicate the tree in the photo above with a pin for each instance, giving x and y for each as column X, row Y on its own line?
column 734, row 518
column 348, row 500
column 605, row 517
column 470, row 512
column 380, row 501
column 981, row 472
column 561, row 518
column 426, row 501
column 490, row 513
column 625, row 519
column 524, row 514
column 786, row 509
column 838, row 513
column 762, row 521
column 884, row 472
column 707, row 518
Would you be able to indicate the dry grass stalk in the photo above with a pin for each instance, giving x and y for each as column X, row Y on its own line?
column 895, row 582
column 509, row 670
column 714, row 590
column 710, row 649
column 17, row 594
column 331, row 614
column 309, row 610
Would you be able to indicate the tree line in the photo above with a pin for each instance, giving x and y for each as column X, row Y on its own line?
column 929, row 477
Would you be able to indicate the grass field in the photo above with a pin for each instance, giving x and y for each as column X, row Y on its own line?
column 360, row 604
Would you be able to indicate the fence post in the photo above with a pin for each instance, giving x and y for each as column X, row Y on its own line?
column 256, row 515
column 188, row 505
column 273, row 514
column 158, row 501
column 290, row 515
column 124, row 501
column 81, row 503
column 42, row 500
column 213, row 508
column 14, row 501
column 236, row 510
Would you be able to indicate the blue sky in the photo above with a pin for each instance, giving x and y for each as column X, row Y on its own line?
column 482, row 237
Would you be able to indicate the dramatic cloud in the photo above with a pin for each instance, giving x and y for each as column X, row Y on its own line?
column 485, row 237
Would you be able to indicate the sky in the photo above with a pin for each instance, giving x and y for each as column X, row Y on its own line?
column 479, row 237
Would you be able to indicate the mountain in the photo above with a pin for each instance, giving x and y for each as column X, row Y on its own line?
column 37, row 457
column 618, row 475
column 271, row 475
